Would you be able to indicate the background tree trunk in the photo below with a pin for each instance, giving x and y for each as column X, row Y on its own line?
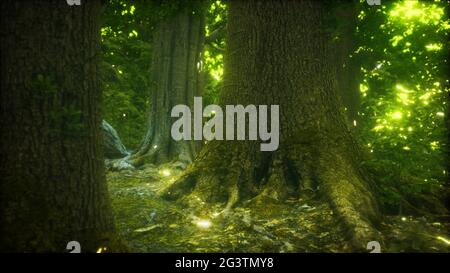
column 278, row 53
column 53, row 188
column 176, row 62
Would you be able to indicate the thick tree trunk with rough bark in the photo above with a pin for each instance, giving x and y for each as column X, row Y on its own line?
column 278, row 53
column 53, row 188
column 348, row 72
column 176, row 62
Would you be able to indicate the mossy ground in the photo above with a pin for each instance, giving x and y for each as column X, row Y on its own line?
column 149, row 223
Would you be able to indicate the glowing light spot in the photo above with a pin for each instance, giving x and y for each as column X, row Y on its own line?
column 378, row 128
column 440, row 114
column 133, row 34
column 363, row 88
column 165, row 172
column 396, row 39
column 124, row 115
column 403, row 218
column 434, row 145
column 217, row 74
column 406, row 148
column 397, row 115
column 443, row 240
column 414, row 10
column 101, row 249
column 202, row 223
column 155, row 146
column 433, row 47
column 403, row 98
column 402, row 89
column 425, row 97
column 354, row 122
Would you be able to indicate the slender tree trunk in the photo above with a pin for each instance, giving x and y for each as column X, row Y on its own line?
column 278, row 53
column 176, row 62
column 53, row 188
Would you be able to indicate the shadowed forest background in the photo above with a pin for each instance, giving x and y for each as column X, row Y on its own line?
column 87, row 153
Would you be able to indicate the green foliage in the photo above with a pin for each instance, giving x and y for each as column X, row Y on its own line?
column 403, row 49
column 215, row 32
column 126, row 44
column 127, row 31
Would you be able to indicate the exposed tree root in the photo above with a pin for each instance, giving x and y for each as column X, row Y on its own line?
column 153, row 154
column 351, row 198
column 278, row 176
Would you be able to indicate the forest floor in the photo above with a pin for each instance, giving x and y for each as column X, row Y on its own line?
column 148, row 223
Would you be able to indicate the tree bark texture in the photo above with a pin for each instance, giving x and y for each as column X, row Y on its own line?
column 279, row 53
column 53, row 188
column 176, row 63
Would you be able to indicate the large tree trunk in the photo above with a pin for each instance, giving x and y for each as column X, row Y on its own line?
column 53, row 188
column 176, row 62
column 278, row 53
column 348, row 72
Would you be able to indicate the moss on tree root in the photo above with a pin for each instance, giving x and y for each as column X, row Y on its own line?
column 279, row 176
